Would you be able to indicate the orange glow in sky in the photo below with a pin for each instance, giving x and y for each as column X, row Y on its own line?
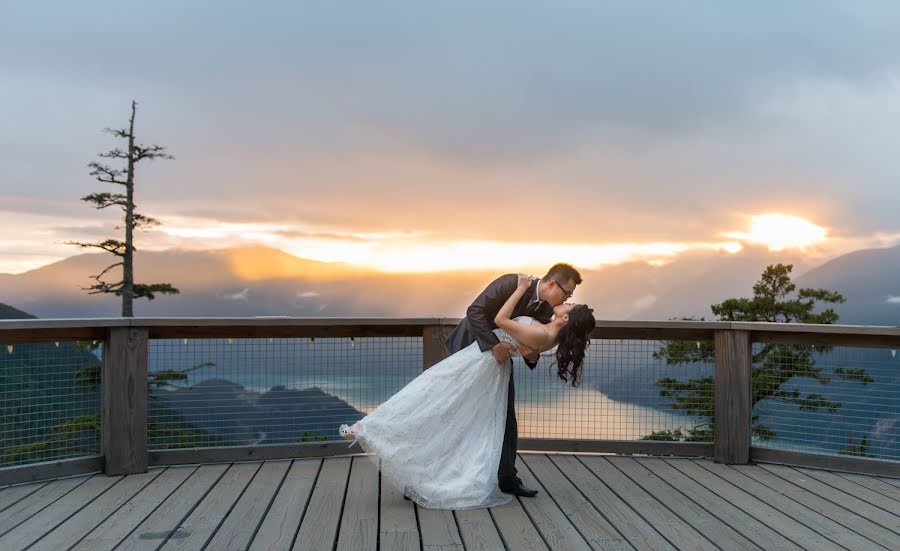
column 416, row 253
column 781, row 231
column 420, row 252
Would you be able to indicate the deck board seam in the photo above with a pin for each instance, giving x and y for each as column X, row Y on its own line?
column 196, row 504
column 38, row 486
column 39, row 511
column 857, row 513
column 599, row 512
column 624, row 501
column 231, row 508
column 845, row 491
column 790, row 498
column 674, row 513
column 337, row 530
column 378, row 512
column 158, row 505
column 841, row 474
column 839, row 523
column 737, row 530
column 75, row 512
column 110, row 514
column 773, row 506
column 497, row 528
column 312, row 490
column 556, row 503
column 530, row 518
column 462, row 540
column 269, row 505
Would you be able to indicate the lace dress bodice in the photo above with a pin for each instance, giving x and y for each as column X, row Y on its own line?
column 505, row 337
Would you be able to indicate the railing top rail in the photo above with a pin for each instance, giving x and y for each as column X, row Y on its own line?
column 35, row 330
column 881, row 330
column 286, row 326
column 258, row 321
column 278, row 321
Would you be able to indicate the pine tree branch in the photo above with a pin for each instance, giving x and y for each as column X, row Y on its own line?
column 108, row 268
column 106, row 174
column 141, row 221
column 143, row 290
column 114, row 154
column 110, row 245
column 104, row 200
column 119, row 133
column 150, row 152
column 103, row 287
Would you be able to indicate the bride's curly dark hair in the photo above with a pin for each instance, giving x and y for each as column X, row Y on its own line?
column 574, row 338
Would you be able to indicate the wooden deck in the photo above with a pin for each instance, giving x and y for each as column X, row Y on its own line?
column 585, row 502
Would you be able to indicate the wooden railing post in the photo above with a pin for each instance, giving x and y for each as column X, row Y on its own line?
column 434, row 349
column 125, row 400
column 732, row 398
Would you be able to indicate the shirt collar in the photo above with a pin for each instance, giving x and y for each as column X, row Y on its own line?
column 537, row 293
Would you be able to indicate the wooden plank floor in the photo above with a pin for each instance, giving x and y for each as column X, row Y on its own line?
column 584, row 502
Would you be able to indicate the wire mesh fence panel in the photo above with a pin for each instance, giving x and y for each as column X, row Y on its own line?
column 233, row 392
column 49, row 401
column 827, row 400
column 630, row 390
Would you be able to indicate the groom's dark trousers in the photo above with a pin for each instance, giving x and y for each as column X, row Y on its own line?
column 478, row 326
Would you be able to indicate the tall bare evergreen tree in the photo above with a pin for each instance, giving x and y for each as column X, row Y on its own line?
column 124, row 250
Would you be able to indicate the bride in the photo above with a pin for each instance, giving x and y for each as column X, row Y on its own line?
column 439, row 438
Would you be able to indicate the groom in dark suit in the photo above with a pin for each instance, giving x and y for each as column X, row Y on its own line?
column 552, row 290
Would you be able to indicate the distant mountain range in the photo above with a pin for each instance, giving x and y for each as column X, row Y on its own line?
column 869, row 279
column 234, row 416
column 256, row 281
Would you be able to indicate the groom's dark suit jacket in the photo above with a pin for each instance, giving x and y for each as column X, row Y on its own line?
column 478, row 324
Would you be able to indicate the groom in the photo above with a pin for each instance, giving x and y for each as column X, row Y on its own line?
column 552, row 290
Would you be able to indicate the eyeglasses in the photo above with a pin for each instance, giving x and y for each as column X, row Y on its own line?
column 566, row 294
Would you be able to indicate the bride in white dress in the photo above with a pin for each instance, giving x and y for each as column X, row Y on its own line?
column 438, row 440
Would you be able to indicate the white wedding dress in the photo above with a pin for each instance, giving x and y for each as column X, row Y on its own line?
column 438, row 440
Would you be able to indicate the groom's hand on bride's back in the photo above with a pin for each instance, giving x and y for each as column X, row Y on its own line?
column 502, row 352
column 529, row 353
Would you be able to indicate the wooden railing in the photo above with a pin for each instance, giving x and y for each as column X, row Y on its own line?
column 124, row 391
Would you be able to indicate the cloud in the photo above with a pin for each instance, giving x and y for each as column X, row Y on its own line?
column 644, row 302
column 240, row 296
column 893, row 300
column 308, row 294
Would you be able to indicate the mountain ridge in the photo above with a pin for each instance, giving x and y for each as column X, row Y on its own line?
column 263, row 281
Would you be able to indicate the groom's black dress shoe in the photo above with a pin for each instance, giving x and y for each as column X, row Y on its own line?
column 515, row 487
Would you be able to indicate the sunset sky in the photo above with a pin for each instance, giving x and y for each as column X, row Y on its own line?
column 412, row 136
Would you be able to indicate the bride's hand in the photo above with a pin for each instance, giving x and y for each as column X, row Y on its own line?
column 525, row 281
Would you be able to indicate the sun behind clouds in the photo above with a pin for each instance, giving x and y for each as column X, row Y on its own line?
column 781, row 231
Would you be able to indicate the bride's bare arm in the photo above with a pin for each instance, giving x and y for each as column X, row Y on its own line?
column 533, row 336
